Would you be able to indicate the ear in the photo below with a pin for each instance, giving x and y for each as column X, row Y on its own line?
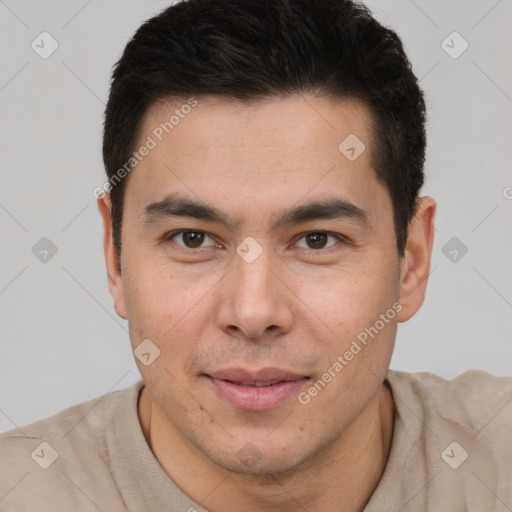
column 415, row 265
column 114, row 275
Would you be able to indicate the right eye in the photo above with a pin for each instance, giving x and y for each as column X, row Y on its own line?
column 191, row 239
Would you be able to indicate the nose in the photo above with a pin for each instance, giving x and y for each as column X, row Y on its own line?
column 256, row 301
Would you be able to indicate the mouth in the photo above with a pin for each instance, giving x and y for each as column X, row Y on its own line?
column 258, row 390
column 257, row 384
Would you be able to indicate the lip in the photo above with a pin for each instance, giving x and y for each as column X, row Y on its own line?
column 261, row 375
column 232, row 385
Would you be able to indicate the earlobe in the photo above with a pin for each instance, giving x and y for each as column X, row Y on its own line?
column 114, row 275
column 415, row 265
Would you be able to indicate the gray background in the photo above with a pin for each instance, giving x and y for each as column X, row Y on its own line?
column 62, row 341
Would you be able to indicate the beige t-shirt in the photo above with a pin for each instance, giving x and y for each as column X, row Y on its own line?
column 451, row 451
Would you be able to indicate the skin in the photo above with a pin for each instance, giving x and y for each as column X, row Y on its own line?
column 206, row 308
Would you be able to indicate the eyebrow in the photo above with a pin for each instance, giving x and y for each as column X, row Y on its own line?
column 176, row 206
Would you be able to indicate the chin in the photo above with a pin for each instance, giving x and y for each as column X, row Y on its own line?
column 262, row 458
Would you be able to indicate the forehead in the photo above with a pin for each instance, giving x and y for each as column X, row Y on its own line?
column 277, row 122
column 266, row 152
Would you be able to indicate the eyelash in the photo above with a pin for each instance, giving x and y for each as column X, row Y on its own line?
column 169, row 236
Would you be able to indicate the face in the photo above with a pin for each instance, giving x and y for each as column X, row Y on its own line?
column 287, row 266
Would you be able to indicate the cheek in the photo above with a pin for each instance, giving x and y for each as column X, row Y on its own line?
column 350, row 304
column 358, row 349
column 165, row 306
column 152, row 304
column 350, row 300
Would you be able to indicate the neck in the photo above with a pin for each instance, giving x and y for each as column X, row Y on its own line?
column 341, row 477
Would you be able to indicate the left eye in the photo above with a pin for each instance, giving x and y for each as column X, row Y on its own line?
column 318, row 240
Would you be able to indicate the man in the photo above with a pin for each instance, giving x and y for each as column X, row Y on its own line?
column 264, row 235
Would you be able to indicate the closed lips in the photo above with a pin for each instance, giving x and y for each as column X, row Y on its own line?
column 263, row 377
column 257, row 384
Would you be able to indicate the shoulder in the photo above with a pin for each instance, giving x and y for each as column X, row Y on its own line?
column 52, row 461
column 85, row 420
column 451, row 446
column 451, row 442
column 472, row 398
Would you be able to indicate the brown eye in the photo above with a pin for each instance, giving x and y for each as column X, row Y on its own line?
column 193, row 239
column 189, row 239
column 316, row 240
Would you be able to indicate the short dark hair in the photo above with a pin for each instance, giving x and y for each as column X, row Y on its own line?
column 253, row 49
